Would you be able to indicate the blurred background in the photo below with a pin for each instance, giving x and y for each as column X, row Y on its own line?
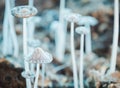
column 48, row 11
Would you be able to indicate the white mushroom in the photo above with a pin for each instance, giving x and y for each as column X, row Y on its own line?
column 10, row 43
column 32, row 44
column 115, row 37
column 39, row 57
column 24, row 12
column 73, row 18
column 60, row 40
column 88, row 21
column 82, row 31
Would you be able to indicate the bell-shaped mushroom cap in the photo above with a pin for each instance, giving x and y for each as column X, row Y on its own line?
column 34, row 43
column 73, row 17
column 24, row 11
column 28, row 74
column 40, row 56
column 81, row 30
column 89, row 20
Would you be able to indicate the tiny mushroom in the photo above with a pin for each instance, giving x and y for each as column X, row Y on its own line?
column 82, row 31
column 10, row 42
column 73, row 18
column 24, row 12
column 39, row 57
column 88, row 21
column 32, row 45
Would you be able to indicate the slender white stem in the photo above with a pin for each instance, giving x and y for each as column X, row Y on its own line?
column 5, row 30
column 24, row 36
column 81, row 61
column 115, row 36
column 62, row 7
column 10, row 46
column 75, row 77
column 43, row 75
column 32, row 67
column 28, row 83
column 13, row 34
column 31, row 31
column 60, row 40
column 25, row 43
column 12, row 2
column 37, row 76
column 9, row 22
column 88, row 46
column 31, row 2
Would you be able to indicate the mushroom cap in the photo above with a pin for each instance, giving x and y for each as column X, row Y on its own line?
column 39, row 56
column 24, row 11
column 89, row 20
column 81, row 30
column 34, row 43
column 28, row 74
column 73, row 17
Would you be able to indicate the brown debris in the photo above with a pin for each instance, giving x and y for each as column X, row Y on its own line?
column 10, row 77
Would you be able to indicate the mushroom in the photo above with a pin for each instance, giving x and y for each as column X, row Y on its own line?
column 82, row 31
column 24, row 12
column 73, row 18
column 115, row 37
column 32, row 45
column 88, row 21
column 39, row 57
column 60, row 40
column 60, row 45
column 10, row 42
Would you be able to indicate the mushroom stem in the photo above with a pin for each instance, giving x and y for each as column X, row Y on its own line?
column 88, row 46
column 28, row 83
column 115, row 37
column 43, row 73
column 37, row 76
column 75, row 78
column 24, row 36
column 31, row 26
column 30, row 2
column 13, row 35
column 5, row 30
column 60, row 44
column 81, row 60
column 9, row 22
